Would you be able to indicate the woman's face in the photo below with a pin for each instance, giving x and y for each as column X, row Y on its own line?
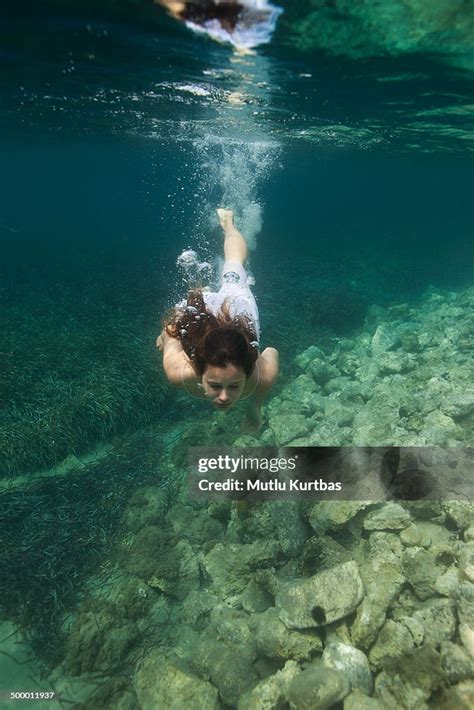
column 223, row 385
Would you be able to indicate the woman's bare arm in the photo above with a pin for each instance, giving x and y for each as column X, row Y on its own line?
column 268, row 363
column 174, row 358
column 269, row 366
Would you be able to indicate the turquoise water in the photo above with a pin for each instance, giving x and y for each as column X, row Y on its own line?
column 351, row 176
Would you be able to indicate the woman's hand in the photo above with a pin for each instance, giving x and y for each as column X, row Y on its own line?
column 253, row 419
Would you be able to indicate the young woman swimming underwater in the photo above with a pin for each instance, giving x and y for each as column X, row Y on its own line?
column 210, row 342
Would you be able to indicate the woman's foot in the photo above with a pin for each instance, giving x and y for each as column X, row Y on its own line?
column 226, row 217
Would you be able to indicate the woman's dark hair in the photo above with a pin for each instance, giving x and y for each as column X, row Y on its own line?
column 209, row 339
column 200, row 11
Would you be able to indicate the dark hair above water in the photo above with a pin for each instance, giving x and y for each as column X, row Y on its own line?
column 227, row 12
column 209, row 339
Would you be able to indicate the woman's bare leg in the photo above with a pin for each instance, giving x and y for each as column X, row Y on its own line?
column 235, row 246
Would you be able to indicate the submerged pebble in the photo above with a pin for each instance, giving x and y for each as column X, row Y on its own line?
column 317, row 688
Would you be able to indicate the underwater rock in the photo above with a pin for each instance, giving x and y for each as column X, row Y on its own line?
column 146, row 507
column 393, row 641
column 220, row 510
column 328, row 515
column 165, row 612
column 310, row 404
column 335, row 385
column 466, row 635
column 436, row 391
column 348, row 364
column 385, row 338
column 250, row 523
column 357, row 700
column 404, row 605
column 233, row 626
column 286, row 525
column 229, row 669
column 313, row 602
column 392, row 516
column 393, row 363
column 459, row 404
column 459, row 512
column 420, row 569
column 274, row 640
column 441, row 430
column 410, row 680
column 286, row 427
column 299, row 388
column 270, row 693
column 409, row 341
column 231, row 566
column 415, row 536
column 415, row 627
column 430, row 515
column 421, row 398
column 187, row 578
column 196, row 525
column 183, row 640
column 98, row 640
column 255, row 599
column 385, row 547
column 383, row 582
column 304, row 359
column 355, row 393
column 164, row 683
column 374, row 426
column 320, row 553
column 132, row 596
column 317, row 688
column 352, row 662
column 322, row 371
column 465, row 603
column 197, row 607
column 447, row 583
column 459, row 697
column 300, row 396
column 111, row 693
column 338, row 412
column 466, row 560
column 438, row 620
column 326, row 433
column 277, row 405
column 151, row 553
column 455, row 662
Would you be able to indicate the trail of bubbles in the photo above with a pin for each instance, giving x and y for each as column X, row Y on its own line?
column 233, row 173
column 232, row 159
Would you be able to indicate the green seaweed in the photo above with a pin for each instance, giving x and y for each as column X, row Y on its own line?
column 74, row 372
column 56, row 533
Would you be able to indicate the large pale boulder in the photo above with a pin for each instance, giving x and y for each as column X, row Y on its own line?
column 321, row 599
column 164, row 683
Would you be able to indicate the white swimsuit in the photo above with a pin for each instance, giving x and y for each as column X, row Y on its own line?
column 235, row 292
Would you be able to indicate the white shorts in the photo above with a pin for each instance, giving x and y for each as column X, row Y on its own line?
column 235, row 290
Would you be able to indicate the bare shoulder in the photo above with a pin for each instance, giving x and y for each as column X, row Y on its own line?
column 176, row 365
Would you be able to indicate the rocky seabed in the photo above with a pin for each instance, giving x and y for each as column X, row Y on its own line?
column 301, row 604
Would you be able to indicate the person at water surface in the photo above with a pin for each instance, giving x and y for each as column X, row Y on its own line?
column 210, row 341
column 226, row 13
column 245, row 23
